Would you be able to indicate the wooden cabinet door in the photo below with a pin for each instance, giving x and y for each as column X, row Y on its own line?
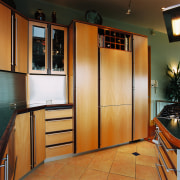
column 22, row 145
column 5, row 38
column 140, row 123
column 86, row 87
column 39, row 136
column 115, row 77
column 116, row 125
column 21, row 44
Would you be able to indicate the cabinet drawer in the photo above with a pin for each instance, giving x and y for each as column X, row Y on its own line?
column 57, row 138
column 59, row 150
column 60, row 113
column 58, row 125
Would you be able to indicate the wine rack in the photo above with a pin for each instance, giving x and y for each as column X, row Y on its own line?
column 114, row 39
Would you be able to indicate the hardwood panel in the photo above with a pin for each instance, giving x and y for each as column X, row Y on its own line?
column 140, row 125
column 59, row 150
column 86, row 87
column 21, row 44
column 116, row 125
column 39, row 136
column 58, row 125
column 50, row 114
column 5, row 38
column 115, row 77
column 57, row 138
column 22, row 145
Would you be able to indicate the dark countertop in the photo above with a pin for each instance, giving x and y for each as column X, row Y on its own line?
column 169, row 123
column 8, row 115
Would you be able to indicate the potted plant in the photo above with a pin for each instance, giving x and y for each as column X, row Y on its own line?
column 173, row 87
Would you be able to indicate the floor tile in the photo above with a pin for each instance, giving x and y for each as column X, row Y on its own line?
column 119, row 177
column 83, row 161
column 49, row 169
column 101, row 165
column 125, row 165
column 69, row 173
column 129, row 148
column 146, row 173
column 34, row 176
column 90, row 174
column 146, row 160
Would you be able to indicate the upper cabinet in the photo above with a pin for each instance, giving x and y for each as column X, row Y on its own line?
column 21, row 44
column 47, row 48
column 5, row 38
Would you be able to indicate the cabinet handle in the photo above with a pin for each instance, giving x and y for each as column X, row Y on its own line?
column 5, row 165
column 16, row 39
column 12, row 46
column 35, row 139
column 32, row 141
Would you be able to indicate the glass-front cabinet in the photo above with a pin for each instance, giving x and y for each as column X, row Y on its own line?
column 47, row 49
column 58, row 50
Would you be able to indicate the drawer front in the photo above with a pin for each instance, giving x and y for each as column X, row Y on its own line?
column 57, row 138
column 58, row 125
column 60, row 113
column 59, row 150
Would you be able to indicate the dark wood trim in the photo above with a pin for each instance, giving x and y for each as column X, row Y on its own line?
column 133, row 88
column 49, row 49
column 173, row 140
column 99, row 99
column 58, row 119
column 74, row 81
column 52, row 132
column 53, row 145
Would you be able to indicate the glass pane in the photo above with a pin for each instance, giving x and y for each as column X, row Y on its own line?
column 38, row 61
column 58, row 50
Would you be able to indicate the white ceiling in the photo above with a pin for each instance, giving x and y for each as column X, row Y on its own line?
column 145, row 13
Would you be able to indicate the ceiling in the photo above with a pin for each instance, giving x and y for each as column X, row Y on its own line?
column 145, row 13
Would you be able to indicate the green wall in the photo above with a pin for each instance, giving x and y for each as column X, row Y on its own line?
column 162, row 52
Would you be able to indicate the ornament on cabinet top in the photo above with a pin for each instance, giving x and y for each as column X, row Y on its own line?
column 40, row 15
column 93, row 16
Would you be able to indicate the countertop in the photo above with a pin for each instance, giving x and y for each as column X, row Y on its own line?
column 8, row 115
column 169, row 123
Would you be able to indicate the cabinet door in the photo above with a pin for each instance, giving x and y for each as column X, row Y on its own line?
column 86, row 87
column 21, row 44
column 22, row 145
column 116, row 125
column 58, row 50
column 39, row 136
column 140, row 123
column 5, row 38
column 37, row 48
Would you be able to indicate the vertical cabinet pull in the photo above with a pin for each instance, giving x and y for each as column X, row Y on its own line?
column 5, row 165
column 12, row 34
column 32, row 137
column 16, row 39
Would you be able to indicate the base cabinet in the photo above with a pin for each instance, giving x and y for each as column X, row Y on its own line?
column 22, row 145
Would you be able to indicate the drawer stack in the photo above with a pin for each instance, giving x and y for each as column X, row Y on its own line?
column 167, row 167
column 59, row 132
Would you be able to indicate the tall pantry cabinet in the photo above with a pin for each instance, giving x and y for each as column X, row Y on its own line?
column 83, row 68
column 108, row 85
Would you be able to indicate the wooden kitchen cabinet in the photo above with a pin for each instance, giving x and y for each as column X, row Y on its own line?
column 140, row 108
column 21, row 44
column 5, row 38
column 85, row 74
column 39, row 136
column 22, row 145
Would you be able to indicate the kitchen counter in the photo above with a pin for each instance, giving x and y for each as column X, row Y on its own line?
column 169, row 123
column 8, row 115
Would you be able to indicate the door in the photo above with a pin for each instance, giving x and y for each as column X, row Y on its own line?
column 115, row 97
column 5, row 38
column 21, row 43
column 86, row 85
column 140, row 122
column 22, row 145
column 39, row 136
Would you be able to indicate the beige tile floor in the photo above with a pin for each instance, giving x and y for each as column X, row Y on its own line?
column 116, row 163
